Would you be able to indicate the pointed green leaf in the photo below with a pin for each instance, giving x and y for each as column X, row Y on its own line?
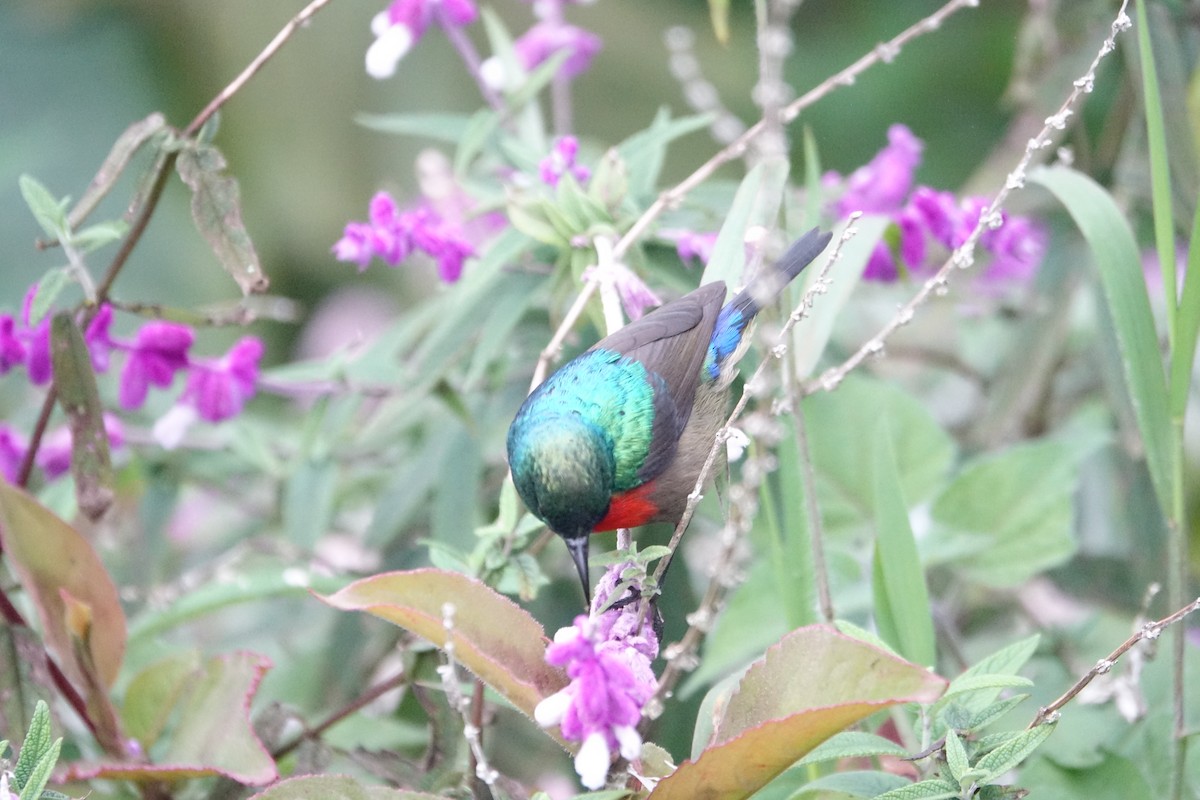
column 956, row 757
column 853, row 744
column 40, row 776
column 93, row 237
column 900, row 580
column 49, row 212
column 36, row 744
column 756, row 204
column 1006, row 661
column 217, row 211
column 308, row 501
column 493, row 637
column 1183, row 354
column 812, row 684
column 1012, row 752
column 50, row 557
column 450, row 128
column 811, row 335
column 935, row 789
column 645, row 151
column 47, row 291
column 1119, row 266
column 993, row 712
column 80, row 400
column 855, row 783
column 1016, row 508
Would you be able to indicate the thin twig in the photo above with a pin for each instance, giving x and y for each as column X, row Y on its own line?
column 294, row 24
column 1151, row 630
column 363, row 700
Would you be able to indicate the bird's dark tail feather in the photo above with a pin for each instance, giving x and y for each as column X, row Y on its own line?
column 768, row 284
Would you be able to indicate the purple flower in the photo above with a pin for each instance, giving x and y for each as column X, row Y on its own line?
column 12, row 453
column 547, row 38
column 1018, row 247
column 561, row 161
column 690, row 245
column 97, row 338
column 157, row 353
column 636, row 296
column 881, row 185
column 607, row 657
column 402, row 24
column 392, row 235
column 219, row 388
column 12, row 351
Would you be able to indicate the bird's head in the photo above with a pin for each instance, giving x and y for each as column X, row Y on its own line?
column 563, row 468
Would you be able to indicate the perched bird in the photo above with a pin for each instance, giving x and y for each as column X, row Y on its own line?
column 616, row 438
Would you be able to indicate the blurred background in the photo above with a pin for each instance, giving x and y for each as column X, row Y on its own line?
column 76, row 74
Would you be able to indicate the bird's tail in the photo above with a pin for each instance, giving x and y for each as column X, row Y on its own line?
column 725, row 345
column 767, row 285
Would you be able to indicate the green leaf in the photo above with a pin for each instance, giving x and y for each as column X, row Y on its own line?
column 935, row 789
column 217, row 212
column 153, row 693
column 956, row 757
column 755, row 204
column 1006, row 661
column 812, row 684
column 1012, row 752
column 901, row 598
column 47, row 291
column 80, row 401
column 35, row 746
column 493, row 637
column 450, row 128
column 49, row 212
column 308, row 501
column 1183, row 354
column 993, row 712
column 789, row 541
column 856, row 783
column 93, row 237
column 853, row 744
column 840, row 425
column 1160, row 168
column 1017, row 509
column 40, row 776
column 978, row 682
column 127, row 144
column 230, row 589
column 1115, row 255
column 645, row 151
column 718, row 12
column 480, row 127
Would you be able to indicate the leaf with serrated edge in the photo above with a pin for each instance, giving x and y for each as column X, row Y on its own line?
column 994, row 712
column 1005, row 661
column 40, row 776
column 493, row 637
column 1011, row 753
column 956, row 757
column 36, row 744
column 935, row 789
column 809, row 686
column 48, row 555
column 853, row 744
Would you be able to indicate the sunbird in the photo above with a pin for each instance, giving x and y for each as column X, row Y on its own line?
column 616, row 438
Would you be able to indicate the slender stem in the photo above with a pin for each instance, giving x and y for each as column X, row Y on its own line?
column 366, row 698
column 470, row 56
column 1151, row 630
column 294, row 24
column 35, row 439
column 816, row 531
